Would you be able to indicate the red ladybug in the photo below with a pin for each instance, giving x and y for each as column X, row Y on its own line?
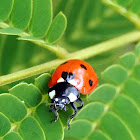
column 67, row 82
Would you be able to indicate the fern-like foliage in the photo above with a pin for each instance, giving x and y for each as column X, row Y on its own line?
column 112, row 108
column 33, row 21
column 112, row 111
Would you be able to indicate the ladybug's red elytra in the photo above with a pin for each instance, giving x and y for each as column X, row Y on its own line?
column 67, row 82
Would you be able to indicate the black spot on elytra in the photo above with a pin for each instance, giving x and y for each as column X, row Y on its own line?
column 90, row 82
column 71, row 76
column 67, row 76
column 83, row 66
column 64, row 75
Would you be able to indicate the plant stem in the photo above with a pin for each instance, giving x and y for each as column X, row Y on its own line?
column 60, row 52
column 106, row 45
column 82, row 54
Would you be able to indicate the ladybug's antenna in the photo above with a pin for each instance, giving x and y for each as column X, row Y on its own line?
column 49, row 104
column 67, row 107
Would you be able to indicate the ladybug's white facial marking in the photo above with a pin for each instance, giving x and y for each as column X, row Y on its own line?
column 56, row 99
column 60, row 80
column 52, row 94
column 63, row 100
column 72, row 97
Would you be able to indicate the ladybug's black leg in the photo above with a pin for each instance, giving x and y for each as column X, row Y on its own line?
column 56, row 113
column 51, row 107
column 65, row 109
column 72, row 116
column 79, row 101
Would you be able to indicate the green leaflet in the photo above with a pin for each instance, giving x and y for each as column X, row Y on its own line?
column 128, row 60
column 41, row 17
column 118, row 78
column 113, row 107
column 30, row 116
column 51, row 130
column 97, row 23
column 57, row 28
column 42, row 82
column 12, row 107
column 97, row 135
column 137, row 72
column 104, row 93
column 137, row 50
column 30, row 129
column 79, row 129
column 107, row 106
column 129, row 116
column 12, row 136
column 29, row 94
column 34, row 16
column 96, row 108
column 5, row 8
column 5, row 124
column 10, row 31
column 132, row 88
column 110, row 124
column 20, row 18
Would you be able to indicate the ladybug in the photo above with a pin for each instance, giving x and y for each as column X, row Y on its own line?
column 67, row 82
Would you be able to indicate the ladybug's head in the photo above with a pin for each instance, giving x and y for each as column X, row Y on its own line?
column 60, row 102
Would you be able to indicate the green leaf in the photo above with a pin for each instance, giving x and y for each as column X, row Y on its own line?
column 79, row 129
column 4, row 124
column 35, row 20
column 20, row 17
column 110, row 124
column 137, row 71
column 96, row 108
column 27, row 93
column 52, row 130
column 12, row 107
column 131, row 116
column 97, row 135
column 112, row 105
column 104, row 93
column 5, row 9
column 42, row 82
column 118, row 78
column 10, row 31
column 132, row 88
column 128, row 60
column 137, row 50
column 30, row 129
column 12, row 136
column 41, row 18
column 30, row 38
column 94, row 24
column 57, row 28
